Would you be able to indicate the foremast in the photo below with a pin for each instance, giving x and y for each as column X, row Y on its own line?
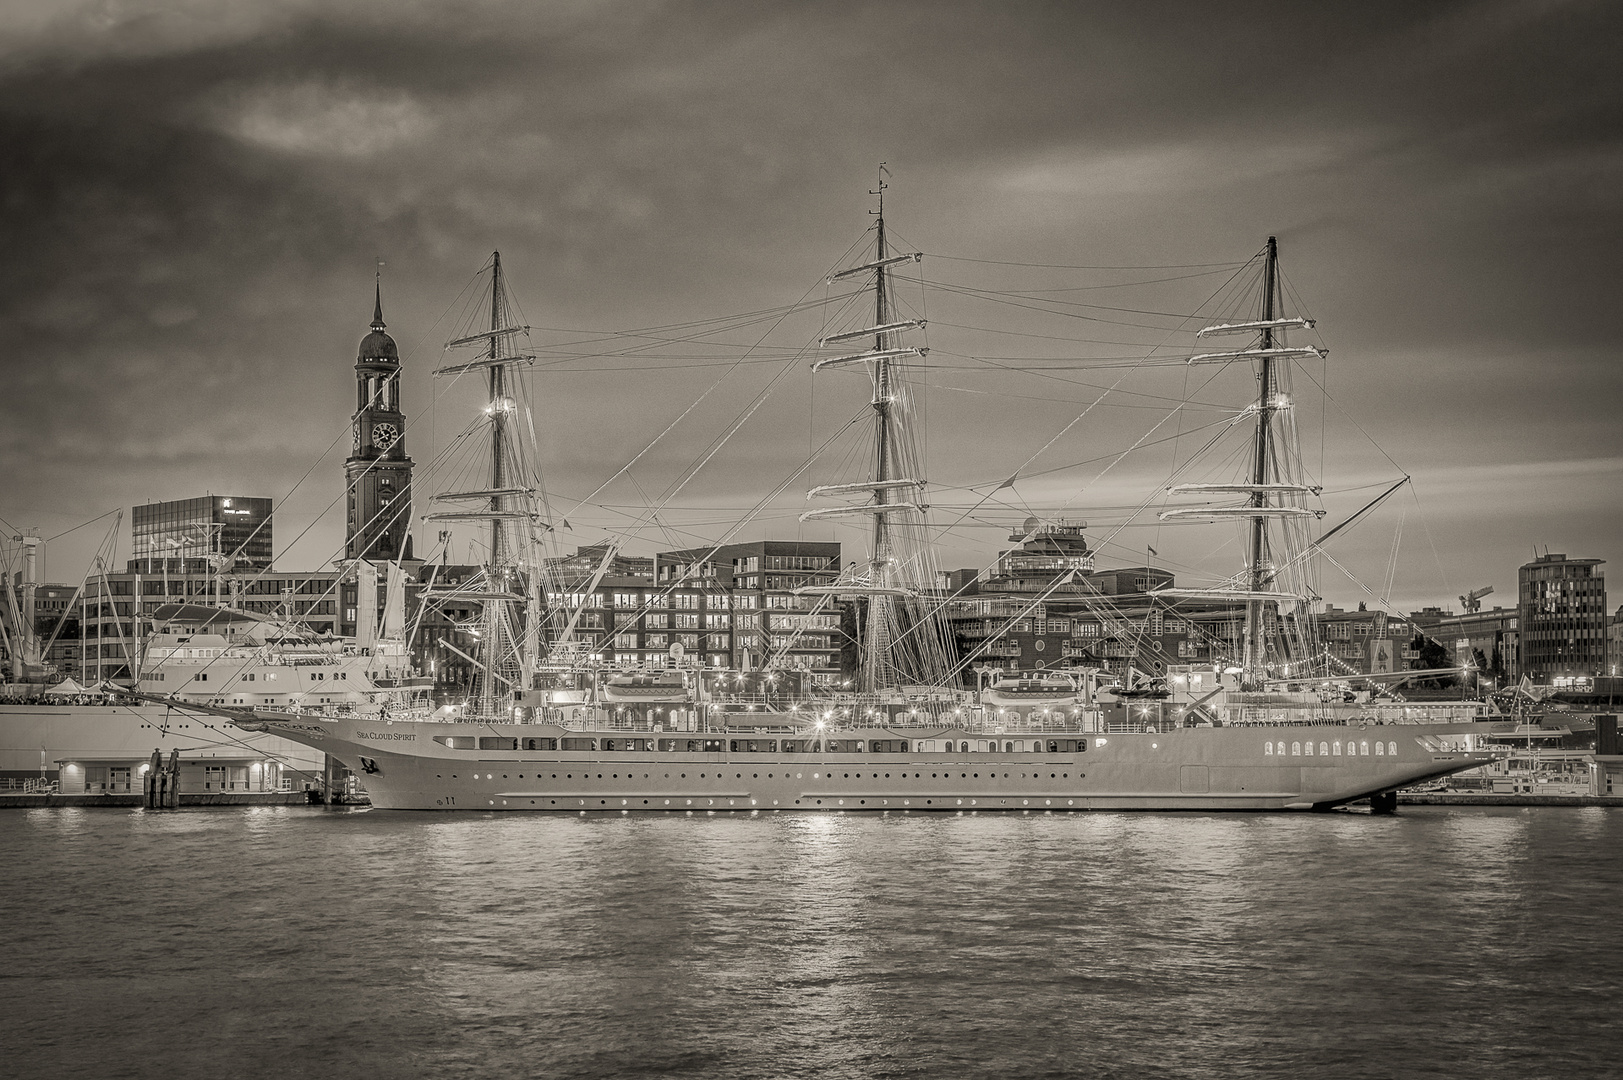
column 507, row 589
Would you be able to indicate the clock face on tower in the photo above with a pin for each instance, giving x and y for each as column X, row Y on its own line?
column 385, row 436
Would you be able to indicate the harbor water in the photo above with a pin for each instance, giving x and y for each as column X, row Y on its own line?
column 291, row 941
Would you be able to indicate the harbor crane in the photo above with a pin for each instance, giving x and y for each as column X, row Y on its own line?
column 1471, row 602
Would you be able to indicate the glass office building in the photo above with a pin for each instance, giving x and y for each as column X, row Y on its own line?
column 1562, row 615
column 179, row 537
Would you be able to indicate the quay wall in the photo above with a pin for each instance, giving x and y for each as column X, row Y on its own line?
column 1456, row 798
column 217, row 798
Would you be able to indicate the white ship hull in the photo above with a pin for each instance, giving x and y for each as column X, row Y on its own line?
column 408, row 766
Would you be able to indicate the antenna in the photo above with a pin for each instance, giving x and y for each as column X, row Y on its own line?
column 880, row 190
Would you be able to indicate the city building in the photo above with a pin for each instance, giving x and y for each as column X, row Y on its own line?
column 584, row 564
column 1026, row 614
column 732, row 604
column 1486, row 641
column 1562, row 616
column 1043, row 605
column 200, row 535
column 1614, row 643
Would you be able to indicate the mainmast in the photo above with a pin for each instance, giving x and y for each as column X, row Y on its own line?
column 1255, row 647
column 876, row 660
column 893, row 488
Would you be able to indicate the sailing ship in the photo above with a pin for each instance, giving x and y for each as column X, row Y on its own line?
column 899, row 740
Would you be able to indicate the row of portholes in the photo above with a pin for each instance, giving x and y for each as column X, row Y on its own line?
column 1327, row 749
column 732, row 803
column 815, row 776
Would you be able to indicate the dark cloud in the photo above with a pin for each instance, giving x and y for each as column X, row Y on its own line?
column 194, row 193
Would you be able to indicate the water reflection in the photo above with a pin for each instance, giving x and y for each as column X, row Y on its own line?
column 811, row 944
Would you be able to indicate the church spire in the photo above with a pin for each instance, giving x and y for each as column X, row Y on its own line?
column 377, row 310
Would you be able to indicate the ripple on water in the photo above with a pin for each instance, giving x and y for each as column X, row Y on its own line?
column 1441, row 941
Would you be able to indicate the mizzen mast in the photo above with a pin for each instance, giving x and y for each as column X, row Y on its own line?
column 1273, row 493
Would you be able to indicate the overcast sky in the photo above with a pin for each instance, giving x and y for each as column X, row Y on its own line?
column 194, row 193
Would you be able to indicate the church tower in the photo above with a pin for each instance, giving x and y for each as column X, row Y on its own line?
column 378, row 471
